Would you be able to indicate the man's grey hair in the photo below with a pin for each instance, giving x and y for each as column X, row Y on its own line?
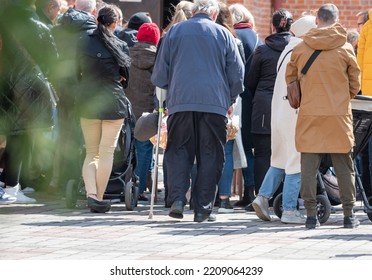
column 328, row 14
column 85, row 5
column 205, row 6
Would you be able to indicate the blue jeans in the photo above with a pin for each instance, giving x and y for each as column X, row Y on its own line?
column 291, row 187
column 224, row 185
column 145, row 156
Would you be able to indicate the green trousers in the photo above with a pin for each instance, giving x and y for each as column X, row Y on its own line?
column 344, row 169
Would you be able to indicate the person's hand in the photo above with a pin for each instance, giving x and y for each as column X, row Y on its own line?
column 230, row 111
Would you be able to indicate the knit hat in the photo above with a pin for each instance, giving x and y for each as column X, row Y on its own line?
column 303, row 25
column 149, row 32
column 146, row 126
column 137, row 19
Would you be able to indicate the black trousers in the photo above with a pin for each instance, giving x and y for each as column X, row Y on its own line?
column 195, row 136
column 262, row 156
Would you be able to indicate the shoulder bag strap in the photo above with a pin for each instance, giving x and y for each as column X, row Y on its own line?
column 280, row 65
column 310, row 61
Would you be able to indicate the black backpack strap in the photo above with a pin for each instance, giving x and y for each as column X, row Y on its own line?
column 310, row 61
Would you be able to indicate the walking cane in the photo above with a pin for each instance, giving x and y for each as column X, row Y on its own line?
column 161, row 95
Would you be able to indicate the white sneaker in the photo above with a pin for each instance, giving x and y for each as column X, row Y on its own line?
column 28, row 190
column 6, row 198
column 293, row 217
column 261, row 206
column 19, row 195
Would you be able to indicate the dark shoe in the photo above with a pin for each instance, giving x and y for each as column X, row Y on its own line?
column 249, row 208
column 176, row 210
column 242, row 203
column 248, row 197
column 225, row 206
column 312, row 222
column 97, row 206
column 143, row 197
column 201, row 217
column 351, row 222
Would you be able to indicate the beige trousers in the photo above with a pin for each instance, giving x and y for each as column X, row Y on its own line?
column 101, row 138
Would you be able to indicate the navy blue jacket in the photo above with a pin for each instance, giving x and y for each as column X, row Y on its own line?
column 200, row 65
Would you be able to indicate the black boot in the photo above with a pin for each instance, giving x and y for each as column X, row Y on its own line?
column 248, row 197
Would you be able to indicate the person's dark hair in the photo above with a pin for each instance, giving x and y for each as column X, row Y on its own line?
column 282, row 20
column 328, row 14
column 106, row 16
column 225, row 19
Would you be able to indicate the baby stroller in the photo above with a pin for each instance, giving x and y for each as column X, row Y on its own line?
column 123, row 183
column 362, row 126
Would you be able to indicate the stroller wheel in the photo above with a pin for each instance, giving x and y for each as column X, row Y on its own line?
column 71, row 194
column 278, row 205
column 323, row 208
column 130, row 196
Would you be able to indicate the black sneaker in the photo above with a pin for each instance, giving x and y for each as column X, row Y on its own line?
column 143, row 197
column 225, row 206
column 351, row 222
column 249, row 208
column 312, row 222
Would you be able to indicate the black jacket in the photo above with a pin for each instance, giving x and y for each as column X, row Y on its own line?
column 74, row 24
column 261, row 80
column 101, row 94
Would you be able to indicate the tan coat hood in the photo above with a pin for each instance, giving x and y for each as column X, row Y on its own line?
column 327, row 38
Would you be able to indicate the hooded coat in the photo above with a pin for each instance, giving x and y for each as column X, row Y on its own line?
column 365, row 56
column 140, row 90
column 261, row 80
column 283, row 120
column 325, row 122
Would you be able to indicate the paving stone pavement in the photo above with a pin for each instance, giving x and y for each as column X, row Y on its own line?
column 49, row 231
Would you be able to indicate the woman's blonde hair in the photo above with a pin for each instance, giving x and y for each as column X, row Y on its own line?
column 241, row 14
column 182, row 12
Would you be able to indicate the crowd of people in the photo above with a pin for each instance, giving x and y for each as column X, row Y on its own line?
column 70, row 69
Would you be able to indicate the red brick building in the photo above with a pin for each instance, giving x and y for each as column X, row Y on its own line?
column 262, row 10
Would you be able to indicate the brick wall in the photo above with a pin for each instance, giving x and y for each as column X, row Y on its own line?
column 263, row 9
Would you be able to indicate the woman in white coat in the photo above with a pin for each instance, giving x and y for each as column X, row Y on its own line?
column 285, row 160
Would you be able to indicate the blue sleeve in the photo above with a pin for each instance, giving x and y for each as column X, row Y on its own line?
column 160, row 74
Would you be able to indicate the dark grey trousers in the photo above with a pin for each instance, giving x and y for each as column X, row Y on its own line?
column 200, row 137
